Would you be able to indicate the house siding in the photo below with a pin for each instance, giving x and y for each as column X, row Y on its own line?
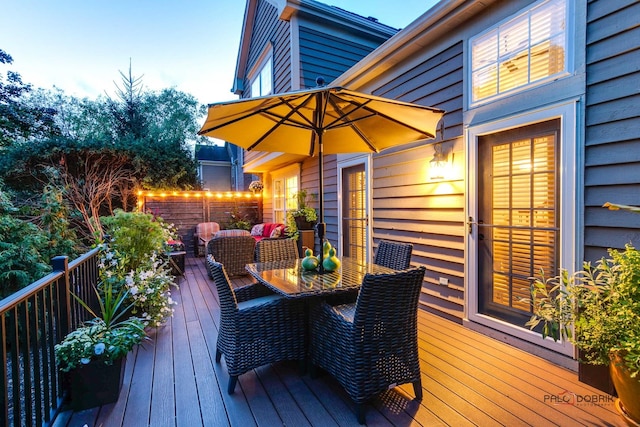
column 216, row 176
column 612, row 131
column 407, row 206
column 268, row 29
column 324, row 54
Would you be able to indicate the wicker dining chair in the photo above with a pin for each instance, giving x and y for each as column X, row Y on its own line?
column 371, row 345
column 257, row 326
column 395, row 255
column 276, row 250
column 233, row 251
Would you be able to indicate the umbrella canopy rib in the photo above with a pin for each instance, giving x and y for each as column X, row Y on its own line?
column 309, row 123
column 392, row 119
column 352, row 123
column 283, row 120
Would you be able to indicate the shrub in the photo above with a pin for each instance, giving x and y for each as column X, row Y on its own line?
column 21, row 243
column 136, row 234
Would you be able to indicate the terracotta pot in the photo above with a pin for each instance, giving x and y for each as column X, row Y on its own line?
column 628, row 390
column 95, row 384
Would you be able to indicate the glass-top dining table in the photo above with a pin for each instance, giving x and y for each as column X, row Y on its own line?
column 289, row 279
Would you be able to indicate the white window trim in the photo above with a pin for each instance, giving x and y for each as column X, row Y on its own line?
column 265, row 56
column 568, row 57
column 570, row 199
column 284, row 173
column 346, row 161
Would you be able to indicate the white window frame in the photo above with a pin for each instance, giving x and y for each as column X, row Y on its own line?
column 263, row 67
column 570, row 199
column 523, row 14
column 289, row 202
column 345, row 161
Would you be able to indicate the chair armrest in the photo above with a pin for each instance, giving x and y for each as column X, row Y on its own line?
column 326, row 315
column 249, row 292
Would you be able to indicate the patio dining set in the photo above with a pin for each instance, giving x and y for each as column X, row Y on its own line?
column 357, row 323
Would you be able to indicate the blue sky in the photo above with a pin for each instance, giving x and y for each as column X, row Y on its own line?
column 81, row 45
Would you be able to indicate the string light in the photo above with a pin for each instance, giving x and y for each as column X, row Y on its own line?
column 200, row 194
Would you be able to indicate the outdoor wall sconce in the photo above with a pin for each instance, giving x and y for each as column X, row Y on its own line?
column 439, row 164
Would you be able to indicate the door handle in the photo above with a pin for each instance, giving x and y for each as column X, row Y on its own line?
column 471, row 222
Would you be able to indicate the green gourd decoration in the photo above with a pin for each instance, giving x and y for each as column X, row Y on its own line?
column 309, row 262
column 326, row 246
column 331, row 263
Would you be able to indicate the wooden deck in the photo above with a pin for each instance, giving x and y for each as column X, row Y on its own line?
column 468, row 379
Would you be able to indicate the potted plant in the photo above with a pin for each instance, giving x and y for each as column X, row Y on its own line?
column 598, row 310
column 302, row 218
column 94, row 355
column 256, row 187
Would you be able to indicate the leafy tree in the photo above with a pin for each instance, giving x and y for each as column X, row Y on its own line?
column 19, row 121
column 106, row 148
column 21, row 261
column 171, row 125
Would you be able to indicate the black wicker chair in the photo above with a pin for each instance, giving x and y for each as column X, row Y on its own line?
column 257, row 326
column 393, row 255
column 234, row 252
column 268, row 250
column 371, row 345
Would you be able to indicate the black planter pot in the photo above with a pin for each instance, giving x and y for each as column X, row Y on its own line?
column 96, row 384
column 303, row 224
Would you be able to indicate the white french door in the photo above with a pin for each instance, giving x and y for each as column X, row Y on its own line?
column 521, row 208
column 354, row 207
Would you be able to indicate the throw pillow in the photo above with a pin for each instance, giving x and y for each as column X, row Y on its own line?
column 277, row 232
column 257, row 230
column 268, row 228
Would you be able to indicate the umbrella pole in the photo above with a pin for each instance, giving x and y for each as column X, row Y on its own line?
column 321, row 224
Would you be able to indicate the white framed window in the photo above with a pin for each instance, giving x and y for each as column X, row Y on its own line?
column 525, row 50
column 262, row 79
column 286, row 183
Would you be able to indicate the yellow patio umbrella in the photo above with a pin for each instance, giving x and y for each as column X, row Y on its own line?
column 313, row 122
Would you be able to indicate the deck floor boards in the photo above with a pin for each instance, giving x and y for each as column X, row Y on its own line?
column 467, row 379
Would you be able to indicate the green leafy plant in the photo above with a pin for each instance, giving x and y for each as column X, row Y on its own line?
column 104, row 339
column 597, row 309
column 136, row 234
column 238, row 220
column 21, row 244
column 303, row 211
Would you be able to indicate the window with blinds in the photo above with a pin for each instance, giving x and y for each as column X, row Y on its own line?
column 522, row 51
column 523, row 216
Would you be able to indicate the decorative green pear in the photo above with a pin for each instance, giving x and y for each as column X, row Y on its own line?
column 331, row 262
column 309, row 262
column 326, row 246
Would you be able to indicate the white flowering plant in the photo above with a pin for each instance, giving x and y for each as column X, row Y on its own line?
column 256, row 186
column 149, row 291
column 104, row 339
column 147, row 287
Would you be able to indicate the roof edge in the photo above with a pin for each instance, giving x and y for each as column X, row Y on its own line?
column 405, row 42
column 243, row 52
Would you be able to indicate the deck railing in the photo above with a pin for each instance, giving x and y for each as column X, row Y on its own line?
column 32, row 321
